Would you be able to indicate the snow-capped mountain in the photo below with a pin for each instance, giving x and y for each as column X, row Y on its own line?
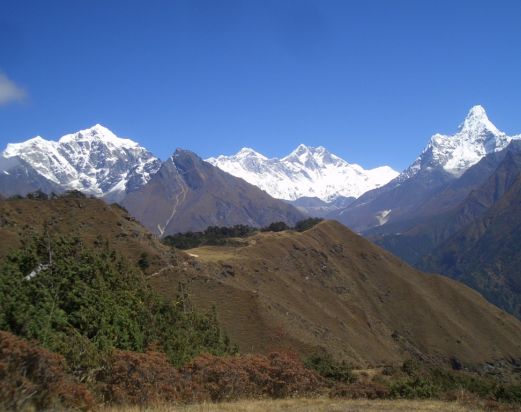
column 415, row 193
column 305, row 172
column 476, row 137
column 94, row 161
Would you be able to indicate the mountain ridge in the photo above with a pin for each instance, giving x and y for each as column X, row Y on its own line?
column 94, row 161
column 189, row 194
column 305, row 172
column 332, row 288
column 444, row 160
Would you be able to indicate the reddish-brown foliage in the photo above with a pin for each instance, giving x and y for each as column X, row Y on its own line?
column 226, row 378
column 32, row 376
column 140, row 378
column 146, row 378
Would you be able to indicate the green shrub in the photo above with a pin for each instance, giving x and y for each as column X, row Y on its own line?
column 410, row 367
column 428, row 382
column 37, row 195
column 80, row 301
column 416, row 388
column 306, row 224
column 326, row 366
column 213, row 235
column 73, row 194
column 143, row 262
column 510, row 394
column 276, row 227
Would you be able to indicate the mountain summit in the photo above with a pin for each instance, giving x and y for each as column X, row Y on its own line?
column 476, row 137
column 444, row 161
column 305, row 172
column 188, row 193
column 94, row 161
column 478, row 122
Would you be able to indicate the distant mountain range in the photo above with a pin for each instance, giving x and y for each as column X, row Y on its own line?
column 97, row 162
column 307, row 172
column 453, row 210
column 183, row 193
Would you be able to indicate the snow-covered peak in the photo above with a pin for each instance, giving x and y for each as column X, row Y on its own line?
column 477, row 122
column 302, row 152
column 314, row 157
column 245, row 154
column 249, row 152
column 305, row 172
column 94, row 161
column 99, row 133
column 16, row 149
column 476, row 137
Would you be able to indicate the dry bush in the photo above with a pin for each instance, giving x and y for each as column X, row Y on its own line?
column 140, row 379
column 149, row 378
column 359, row 390
column 277, row 375
column 34, row 378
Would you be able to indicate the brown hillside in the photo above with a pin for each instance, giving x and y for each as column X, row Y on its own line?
column 329, row 287
column 325, row 287
column 89, row 219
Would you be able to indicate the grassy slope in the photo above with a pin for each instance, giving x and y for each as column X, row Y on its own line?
column 329, row 287
column 86, row 218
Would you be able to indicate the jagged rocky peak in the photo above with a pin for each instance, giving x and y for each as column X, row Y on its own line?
column 97, row 133
column 186, row 158
column 93, row 160
column 312, row 156
column 477, row 122
column 476, row 137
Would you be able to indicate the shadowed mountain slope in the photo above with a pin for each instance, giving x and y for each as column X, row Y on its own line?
column 485, row 254
column 475, row 242
column 459, row 204
column 17, row 177
column 188, row 193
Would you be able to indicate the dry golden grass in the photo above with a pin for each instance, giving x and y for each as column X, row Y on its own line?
column 311, row 405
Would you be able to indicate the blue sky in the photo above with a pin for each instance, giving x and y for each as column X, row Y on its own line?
column 369, row 80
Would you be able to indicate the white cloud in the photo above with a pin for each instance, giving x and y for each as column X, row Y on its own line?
column 10, row 92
